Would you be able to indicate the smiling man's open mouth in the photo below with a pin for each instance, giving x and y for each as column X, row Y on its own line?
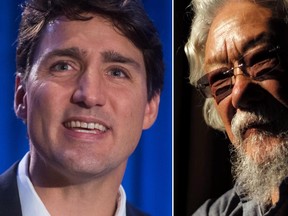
column 88, row 127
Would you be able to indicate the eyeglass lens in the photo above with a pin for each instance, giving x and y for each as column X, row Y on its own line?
column 257, row 64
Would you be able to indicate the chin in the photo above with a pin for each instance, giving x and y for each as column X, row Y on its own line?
column 260, row 146
column 261, row 161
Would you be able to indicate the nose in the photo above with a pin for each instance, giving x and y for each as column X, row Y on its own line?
column 245, row 92
column 90, row 90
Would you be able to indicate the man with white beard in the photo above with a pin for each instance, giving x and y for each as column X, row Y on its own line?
column 237, row 51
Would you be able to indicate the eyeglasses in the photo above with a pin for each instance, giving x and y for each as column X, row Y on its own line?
column 258, row 64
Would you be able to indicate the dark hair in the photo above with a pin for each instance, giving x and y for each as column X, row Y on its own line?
column 128, row 16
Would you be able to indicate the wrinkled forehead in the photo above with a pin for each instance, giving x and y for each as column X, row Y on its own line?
column 238, row 26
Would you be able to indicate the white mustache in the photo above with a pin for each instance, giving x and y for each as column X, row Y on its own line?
column 244, row 120
column 272, row 120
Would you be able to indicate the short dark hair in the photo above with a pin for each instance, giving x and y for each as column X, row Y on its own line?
column 128, row 16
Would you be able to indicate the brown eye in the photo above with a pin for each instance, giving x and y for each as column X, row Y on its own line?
column 64, row 68
column 118, row 72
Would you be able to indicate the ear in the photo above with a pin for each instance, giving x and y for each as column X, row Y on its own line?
column 151, row 111
column 20, row 103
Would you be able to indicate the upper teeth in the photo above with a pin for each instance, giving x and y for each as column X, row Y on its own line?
column 85, row 125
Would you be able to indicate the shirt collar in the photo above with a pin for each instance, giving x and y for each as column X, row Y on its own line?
column 31, row 203
column 251, row 204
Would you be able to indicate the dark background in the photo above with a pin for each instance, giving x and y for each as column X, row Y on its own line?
column 201, row 154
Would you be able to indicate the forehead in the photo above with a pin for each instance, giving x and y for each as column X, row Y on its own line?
column 237, row 25
column 92, row 36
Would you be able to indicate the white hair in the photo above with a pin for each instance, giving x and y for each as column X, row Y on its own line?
column 204, row 13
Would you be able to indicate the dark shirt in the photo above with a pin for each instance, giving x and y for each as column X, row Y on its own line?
column 235, row 203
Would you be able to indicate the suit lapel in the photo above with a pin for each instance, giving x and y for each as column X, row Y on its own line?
column 9, row 196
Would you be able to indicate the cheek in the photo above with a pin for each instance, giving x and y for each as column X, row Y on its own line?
column 226, row 112
column 37, row 109
column 35, row 97
column 132, row 101
column 129, row 127
column 131, row 110
column 43, row 101
column 278, row 90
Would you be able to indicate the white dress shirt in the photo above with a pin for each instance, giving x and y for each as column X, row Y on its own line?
column 31, row 203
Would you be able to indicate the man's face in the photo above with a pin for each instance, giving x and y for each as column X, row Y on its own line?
column 254, row 107
column 85, row 98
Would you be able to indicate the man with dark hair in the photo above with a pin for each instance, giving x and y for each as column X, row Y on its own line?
column 89, row 78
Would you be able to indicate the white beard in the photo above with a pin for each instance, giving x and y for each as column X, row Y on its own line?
column 261, row 169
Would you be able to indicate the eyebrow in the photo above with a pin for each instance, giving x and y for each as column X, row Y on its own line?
column 263, row 38
column 111, row 56
column 73, row 52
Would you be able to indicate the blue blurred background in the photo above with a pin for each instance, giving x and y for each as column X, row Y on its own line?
column 148, row 179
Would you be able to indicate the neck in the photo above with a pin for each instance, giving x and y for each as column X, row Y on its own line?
column 77, row 194
column 79, row 200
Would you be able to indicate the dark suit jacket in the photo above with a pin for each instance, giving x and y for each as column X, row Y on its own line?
column 10, row 201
